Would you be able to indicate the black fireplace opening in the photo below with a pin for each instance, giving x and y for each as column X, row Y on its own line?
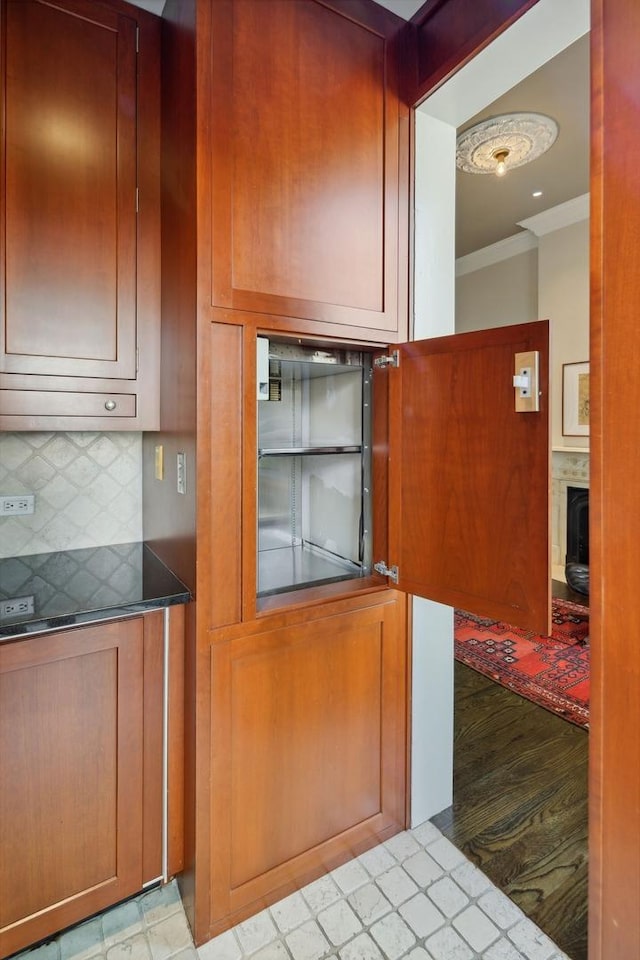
column 577, row 563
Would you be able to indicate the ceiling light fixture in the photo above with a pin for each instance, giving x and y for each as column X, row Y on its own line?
column 505, row 142
column 500, row 156
column 537, row 193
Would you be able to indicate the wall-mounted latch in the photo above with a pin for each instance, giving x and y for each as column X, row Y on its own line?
column 392, row 572
column 526, row 382
column 393, row 360
column 262, row 367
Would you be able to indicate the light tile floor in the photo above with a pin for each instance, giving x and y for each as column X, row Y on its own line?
column 415, row 897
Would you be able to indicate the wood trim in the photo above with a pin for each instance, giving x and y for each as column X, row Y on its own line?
column 148, row 288
column 380, row 427
column 176, row 744
column 249, row 475
column 225, row 350
column 311, row 330
column 169, row 521
column 449, row 33
column 292, row 615
column 152, row 745
column 597, row 865
column 615, row 460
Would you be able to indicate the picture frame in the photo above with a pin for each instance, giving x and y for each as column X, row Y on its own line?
column 575, row 399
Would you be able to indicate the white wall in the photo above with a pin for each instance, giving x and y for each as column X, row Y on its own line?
column 499, row 295
column 550, row 283
column 563, row 297
column 433, row 316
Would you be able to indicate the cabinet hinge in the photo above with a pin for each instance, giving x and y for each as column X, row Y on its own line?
column 391, row 361
column 392, row 572
column 137, row 200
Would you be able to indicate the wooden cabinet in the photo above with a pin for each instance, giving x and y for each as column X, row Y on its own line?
column 71, row 747
column 308, row 741
column 78, row 264
column 285, row 196
column 308, row 165
column 82, row 758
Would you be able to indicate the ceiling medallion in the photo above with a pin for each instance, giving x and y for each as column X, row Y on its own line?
column 502, row 143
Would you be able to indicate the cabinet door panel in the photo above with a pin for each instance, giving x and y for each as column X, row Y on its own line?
column 71, row 748
column 69, row 179
column 469, row 477
column 309, row 747
column 305, row 153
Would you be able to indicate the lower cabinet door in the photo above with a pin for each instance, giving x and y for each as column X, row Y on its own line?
column 71, row 749
column 308, row 750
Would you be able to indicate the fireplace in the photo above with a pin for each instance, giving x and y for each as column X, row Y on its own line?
column 577, row 557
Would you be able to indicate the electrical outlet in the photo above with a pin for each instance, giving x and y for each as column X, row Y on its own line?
column 17, row 506
column 16, row 607
column 181, row 473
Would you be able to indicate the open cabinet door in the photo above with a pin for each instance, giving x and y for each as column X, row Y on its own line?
column 469, row 476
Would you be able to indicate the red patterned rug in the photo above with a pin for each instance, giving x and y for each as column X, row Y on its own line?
column 551, row 671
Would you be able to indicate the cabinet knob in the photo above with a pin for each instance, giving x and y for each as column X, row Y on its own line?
column 110, row 405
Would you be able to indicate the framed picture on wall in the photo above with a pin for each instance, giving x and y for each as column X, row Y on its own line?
column 575, row 399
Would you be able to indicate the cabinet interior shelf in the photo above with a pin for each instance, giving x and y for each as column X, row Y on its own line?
column 307, row 451
column 301, row 565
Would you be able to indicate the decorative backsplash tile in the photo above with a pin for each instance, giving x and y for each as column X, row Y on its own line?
column 87, row 486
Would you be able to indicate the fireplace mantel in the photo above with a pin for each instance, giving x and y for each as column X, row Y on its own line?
column 569, row 468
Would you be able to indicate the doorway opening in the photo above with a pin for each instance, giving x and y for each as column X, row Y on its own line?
column 453, row 293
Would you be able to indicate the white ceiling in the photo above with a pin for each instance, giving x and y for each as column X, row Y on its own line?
column 404, row 8
column 153, row 6
column 488, row 208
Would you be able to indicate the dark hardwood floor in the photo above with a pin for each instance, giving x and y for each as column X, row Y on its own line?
column 564, row 592
column 520, row 804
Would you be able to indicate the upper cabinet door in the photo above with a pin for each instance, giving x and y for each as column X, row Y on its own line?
column 469, row 476
column 309, row 161
column 68, row 256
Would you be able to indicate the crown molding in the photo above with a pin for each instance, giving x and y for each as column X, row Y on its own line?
column 502, row 250
column 555, row 218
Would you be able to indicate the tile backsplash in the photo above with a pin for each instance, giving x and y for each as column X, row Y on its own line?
column 87, row 486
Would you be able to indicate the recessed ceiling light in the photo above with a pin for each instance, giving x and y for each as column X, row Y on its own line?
column 537, row 193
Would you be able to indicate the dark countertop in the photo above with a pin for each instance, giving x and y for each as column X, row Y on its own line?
column 82, row 586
